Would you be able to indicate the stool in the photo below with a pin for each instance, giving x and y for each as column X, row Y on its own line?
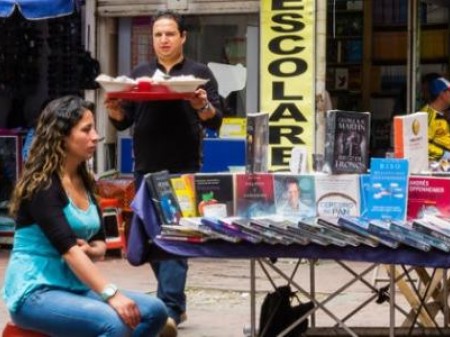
column 12, row 330
column 114, row 225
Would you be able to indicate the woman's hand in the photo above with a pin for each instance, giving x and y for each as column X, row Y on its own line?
column 126, row 309
column 95, row 249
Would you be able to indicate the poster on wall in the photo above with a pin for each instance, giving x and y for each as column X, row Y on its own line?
column 287, row 61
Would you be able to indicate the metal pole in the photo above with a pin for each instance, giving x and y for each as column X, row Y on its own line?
column 412, row 57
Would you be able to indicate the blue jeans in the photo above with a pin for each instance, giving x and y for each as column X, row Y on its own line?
column 171, row 275
column 60, row 313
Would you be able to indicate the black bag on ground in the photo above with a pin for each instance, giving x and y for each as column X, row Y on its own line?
column 278, row 312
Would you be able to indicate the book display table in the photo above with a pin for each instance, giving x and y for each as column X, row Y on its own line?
column 429, row 266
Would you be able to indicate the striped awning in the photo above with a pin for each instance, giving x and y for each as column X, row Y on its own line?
column 37, row 9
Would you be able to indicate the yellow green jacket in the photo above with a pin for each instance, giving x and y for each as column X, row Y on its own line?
column 438, row 133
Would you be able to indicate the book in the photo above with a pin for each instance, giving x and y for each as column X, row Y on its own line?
column 248, row 235
column 185, row 195
column 163, row 197
column 411, row 140
column 383, row 228
column 190, row 239
column 197, row 224
column 337, row 195
column 180, row 230
column 406, row 228
column 298, row 162
column 257, row 142
column 428, row 195
column 214, row 194
column 227, row 228
column 335, row 236
column 387, row 194
column 294, row 195
column 347, row 138
column 254, row 195
column 267, row 236
column 333, row 223
column 427, row 227
column 361, row 227
column 322, row 233
column 279, row 234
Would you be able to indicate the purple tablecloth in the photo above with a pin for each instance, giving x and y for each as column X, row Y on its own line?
column 146, row 223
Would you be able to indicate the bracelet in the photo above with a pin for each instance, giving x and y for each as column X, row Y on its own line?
column 204, row 108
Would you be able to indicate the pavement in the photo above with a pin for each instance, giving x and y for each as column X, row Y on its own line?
column 218, row 292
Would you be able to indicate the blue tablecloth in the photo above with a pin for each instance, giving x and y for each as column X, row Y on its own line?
column 145, row 219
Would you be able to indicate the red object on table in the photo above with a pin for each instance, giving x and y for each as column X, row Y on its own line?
column 146, row 91
column 12, row 330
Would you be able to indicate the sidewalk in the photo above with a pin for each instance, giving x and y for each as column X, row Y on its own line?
column 218, row 292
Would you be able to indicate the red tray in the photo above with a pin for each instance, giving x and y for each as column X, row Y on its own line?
column 150, row 92
column 149, row 95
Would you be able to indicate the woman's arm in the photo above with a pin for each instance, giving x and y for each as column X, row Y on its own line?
column 94, row 249
column 90, row 275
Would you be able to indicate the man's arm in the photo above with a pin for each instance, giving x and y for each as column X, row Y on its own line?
column 119, row 113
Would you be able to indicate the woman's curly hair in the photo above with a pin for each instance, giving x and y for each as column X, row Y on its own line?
column 48, row 152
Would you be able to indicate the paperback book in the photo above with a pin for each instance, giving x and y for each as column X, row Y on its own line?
column 337, row 195
column 361, row 227
column 295, row 195
column 333, row 236
column 267, row 236
column 185, row 195
column 347, row 137
column 428, row 196
column 406, row 228
column 277, row 233
column 214, row 194
column 320, row 233
column 197, row 224
column 163, row 197
column 257, row 142
column 383, row 228
column 411, row 140
column 227, row 228
column 254, row 195
column 333, row 223
column 387, row 194
column 428, row 227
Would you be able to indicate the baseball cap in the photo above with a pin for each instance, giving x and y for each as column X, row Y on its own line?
column 439, row 85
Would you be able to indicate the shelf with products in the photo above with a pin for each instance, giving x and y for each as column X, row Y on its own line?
column 386, row 67
column 345, row 35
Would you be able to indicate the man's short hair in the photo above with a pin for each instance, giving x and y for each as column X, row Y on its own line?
column 291, row 180
column 169, row 14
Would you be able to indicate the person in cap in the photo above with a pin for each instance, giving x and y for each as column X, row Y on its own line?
column 438, row 127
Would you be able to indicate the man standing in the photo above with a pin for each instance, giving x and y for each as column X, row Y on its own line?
column 438, row 127
column 167, row 135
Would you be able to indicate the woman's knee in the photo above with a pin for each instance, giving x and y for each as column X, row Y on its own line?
column 115, row 328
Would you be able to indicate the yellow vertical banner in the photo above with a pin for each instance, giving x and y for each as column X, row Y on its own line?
column 287, row 76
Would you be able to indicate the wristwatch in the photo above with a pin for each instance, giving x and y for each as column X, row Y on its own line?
column 109, row 291
column 204, row 108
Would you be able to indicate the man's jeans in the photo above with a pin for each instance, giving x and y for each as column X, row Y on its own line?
column 171, row 275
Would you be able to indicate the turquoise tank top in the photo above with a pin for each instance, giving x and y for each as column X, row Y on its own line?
column 35, row 264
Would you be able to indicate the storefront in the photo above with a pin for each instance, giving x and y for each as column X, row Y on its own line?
column 42, row 56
